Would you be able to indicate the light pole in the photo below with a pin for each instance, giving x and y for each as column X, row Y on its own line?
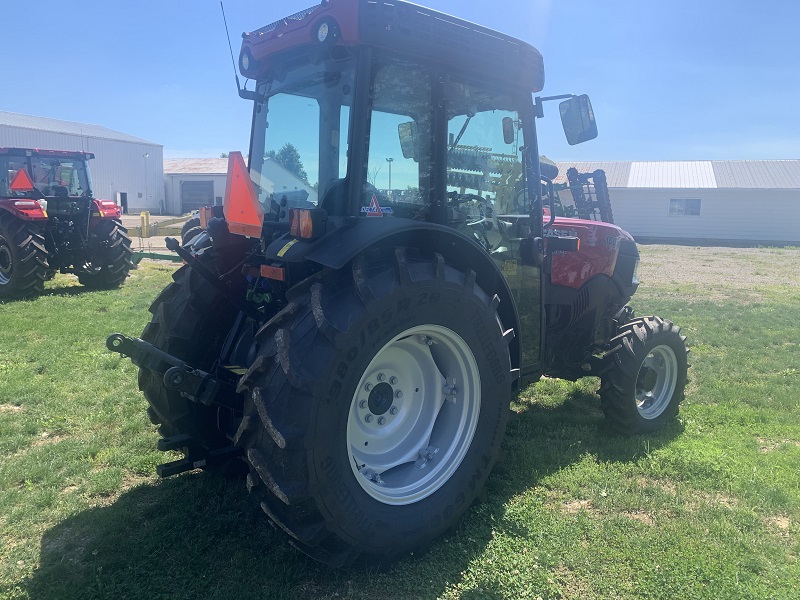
column 389, row 160
column 144, row 159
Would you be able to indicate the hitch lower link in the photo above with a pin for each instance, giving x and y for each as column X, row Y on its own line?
column 194, row 384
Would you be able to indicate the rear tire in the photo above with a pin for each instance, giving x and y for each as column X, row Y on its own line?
column 23, row 258
column 190, row 321
column 190, row 230
column 644, row 385
column 108, row 260
column 347, row 488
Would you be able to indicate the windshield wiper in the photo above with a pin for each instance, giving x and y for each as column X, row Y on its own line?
column 460, row 133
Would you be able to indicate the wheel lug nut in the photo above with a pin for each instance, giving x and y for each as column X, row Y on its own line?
column 398, row 394
column 393, row 380
column 367, row 386
column 362, row 404
column 394, row 410
column 368, row 418
column 381, row 377
column 381, row 420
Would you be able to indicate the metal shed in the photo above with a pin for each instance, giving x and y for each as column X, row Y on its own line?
column 126, row 169
column 739, row 201
column 194, row 182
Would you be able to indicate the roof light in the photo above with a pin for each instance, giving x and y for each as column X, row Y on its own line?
column 327, row 32
column 322, row 32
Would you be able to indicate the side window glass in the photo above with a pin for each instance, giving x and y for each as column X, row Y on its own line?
column 484, row 173
column 290, row 159
column 398, row 168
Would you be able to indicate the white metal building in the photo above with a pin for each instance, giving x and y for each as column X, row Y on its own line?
column 739, row 201
column 125, row 168
column 190, row 183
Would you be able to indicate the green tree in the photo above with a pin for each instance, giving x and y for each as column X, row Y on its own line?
column 289, row 157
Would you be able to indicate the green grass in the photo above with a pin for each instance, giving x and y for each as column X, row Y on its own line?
column 707, row 508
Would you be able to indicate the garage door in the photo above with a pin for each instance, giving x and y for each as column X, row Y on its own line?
column 195, row 194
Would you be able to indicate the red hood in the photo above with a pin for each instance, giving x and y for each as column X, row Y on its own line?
column 597, row 255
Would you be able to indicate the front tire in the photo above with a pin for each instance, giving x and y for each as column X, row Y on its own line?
column 346, row 476
column 644, row 385
column 108, row 260
column 23, row 258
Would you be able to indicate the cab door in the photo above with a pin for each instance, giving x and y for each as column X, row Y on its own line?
column 489, row 195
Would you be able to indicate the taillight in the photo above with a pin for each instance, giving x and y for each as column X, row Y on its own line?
column 108, row 208
column 307, row 223
column 30, row 208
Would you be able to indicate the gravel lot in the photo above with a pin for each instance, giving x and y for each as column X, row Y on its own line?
column 742, row 268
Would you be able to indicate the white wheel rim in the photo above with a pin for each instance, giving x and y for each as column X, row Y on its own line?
column 656, row 381
column 413, row 414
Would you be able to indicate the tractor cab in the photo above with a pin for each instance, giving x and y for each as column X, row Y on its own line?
column 391, row 118
column 59, row 181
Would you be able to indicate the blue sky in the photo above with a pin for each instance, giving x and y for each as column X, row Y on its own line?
column 668, row 80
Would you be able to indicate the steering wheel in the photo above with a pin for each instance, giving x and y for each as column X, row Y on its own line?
column 484, row 205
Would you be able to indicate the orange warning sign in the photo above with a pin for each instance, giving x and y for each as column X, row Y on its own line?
column 21, row 182
column 241, row 207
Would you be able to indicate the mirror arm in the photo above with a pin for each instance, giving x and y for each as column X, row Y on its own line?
column 538, row 108
column 551, row 196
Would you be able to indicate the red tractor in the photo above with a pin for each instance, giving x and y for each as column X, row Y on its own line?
column 49, row 221
column 355, row 348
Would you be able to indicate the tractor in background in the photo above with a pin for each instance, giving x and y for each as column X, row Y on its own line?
column 50, row 221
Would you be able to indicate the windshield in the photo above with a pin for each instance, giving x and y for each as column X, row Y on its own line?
column 299, row 145
column 51, row 175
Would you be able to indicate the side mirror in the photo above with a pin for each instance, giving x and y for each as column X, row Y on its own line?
column 508, row 130
column 577, row 118
column 408, row 139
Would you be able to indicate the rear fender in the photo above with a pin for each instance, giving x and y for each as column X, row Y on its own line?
column 24, row 208
column 104, row 210
column 338, row 248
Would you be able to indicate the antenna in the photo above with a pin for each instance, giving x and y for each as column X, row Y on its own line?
column 230, row 47
column 243, row 92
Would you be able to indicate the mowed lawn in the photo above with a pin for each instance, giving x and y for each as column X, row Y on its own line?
column 707, row 508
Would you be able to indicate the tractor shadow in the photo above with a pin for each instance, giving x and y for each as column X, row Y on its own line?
column 200, row 536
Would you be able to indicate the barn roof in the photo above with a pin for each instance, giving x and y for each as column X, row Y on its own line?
column 86, row 130
column 196, row 166
column 693, row 174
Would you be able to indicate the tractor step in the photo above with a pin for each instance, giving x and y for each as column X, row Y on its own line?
column 196, row 457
